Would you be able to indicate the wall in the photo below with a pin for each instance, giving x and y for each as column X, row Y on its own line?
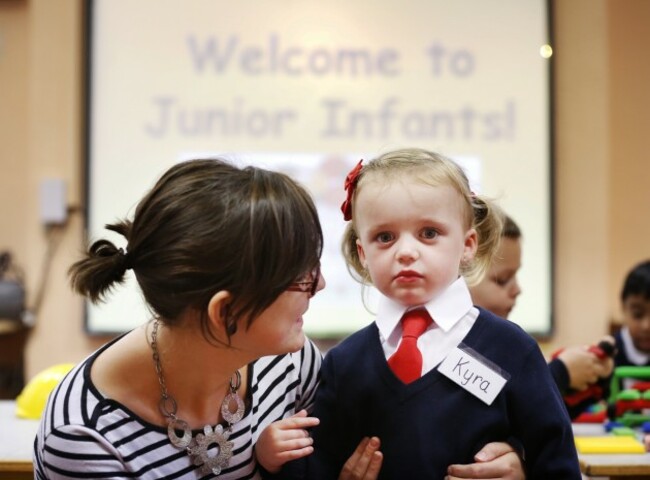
column 41, row 66
column 602, row 109
column 581, row 166
column 629, row 124
column 14, row 55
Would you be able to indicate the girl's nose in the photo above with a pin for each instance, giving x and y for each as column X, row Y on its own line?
column 515, row 289
column 407, row 250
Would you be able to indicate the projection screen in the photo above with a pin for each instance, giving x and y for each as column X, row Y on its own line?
column 309, row 88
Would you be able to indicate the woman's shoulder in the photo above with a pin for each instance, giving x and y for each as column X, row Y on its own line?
column 288, row 365
column 68, row 402
column 77, row 399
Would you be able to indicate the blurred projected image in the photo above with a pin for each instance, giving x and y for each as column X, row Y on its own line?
column 308, row 90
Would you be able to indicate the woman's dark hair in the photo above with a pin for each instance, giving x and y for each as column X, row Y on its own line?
column 208, row 226
column 637, row 281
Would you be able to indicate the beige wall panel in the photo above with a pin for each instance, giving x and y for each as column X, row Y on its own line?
column 629, row 106
column 602, row 199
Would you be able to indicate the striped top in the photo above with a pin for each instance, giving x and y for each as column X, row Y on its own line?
column 86, row 435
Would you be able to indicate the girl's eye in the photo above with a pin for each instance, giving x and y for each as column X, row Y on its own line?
column 502, row 282
column 384, row 237
column 429, row 233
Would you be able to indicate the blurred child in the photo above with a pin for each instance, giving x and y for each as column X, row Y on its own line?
column 575, row 368
column 499, row 288
column 434, row 378
column 633, row 340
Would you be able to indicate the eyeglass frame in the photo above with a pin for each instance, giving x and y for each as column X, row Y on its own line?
column 307, row 286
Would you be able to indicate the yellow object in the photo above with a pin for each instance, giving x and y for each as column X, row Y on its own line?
column 31, row 401
column 609, row 444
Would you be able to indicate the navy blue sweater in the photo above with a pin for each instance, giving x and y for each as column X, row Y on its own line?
column 432, row 423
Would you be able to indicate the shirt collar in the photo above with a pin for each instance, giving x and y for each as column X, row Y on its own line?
column 637, row 357
column 446, row 309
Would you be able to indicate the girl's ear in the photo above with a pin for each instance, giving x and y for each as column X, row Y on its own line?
column 361, row 253
column 218, row 310
column 471, row 245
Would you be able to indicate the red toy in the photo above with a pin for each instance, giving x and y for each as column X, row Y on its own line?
column 595, row 391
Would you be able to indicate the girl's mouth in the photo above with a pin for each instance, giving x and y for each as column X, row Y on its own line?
column 408, row 276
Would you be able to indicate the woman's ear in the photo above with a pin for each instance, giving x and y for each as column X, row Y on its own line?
column 218, row 307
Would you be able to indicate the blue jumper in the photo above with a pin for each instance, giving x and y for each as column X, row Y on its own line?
column 429, row 424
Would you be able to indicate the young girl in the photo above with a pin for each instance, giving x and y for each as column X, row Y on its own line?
column 433, row 396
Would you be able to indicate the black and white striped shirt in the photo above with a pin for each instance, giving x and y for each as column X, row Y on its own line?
column 86, row 435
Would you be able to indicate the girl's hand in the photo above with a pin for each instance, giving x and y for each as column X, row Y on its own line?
column 365, row 462
column 285, row 440
column 584, row 367
column 495, row 460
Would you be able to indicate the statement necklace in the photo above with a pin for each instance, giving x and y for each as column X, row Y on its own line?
column 198, row 447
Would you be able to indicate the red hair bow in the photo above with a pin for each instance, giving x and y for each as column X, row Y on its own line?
column 350, row 185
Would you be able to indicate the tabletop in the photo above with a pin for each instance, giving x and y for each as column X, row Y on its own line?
column 628, row 466
column 16, row 443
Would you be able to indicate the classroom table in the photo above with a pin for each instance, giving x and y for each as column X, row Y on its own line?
column 16, row 443
column 633, row 466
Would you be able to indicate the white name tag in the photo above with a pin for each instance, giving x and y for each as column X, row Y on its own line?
column 473, row 375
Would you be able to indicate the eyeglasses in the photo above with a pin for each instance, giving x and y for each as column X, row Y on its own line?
column 308, row 283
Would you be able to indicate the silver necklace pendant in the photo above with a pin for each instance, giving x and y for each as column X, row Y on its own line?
column 228, row 415
column 174, row 424
column 201, row 456
column 198, row 448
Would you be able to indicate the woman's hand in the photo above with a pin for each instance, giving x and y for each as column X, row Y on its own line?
column 496, row 460
column 285, row 440
column 365, row 462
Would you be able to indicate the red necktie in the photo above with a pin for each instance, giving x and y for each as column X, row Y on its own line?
column 406, row 362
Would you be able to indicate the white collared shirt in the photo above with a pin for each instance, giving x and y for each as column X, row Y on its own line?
column 453, row 314
column 635, row 356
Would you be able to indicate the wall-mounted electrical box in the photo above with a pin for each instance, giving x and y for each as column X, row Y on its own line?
column 53, row 205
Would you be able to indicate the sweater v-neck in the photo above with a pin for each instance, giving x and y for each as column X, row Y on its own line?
column 405, row 391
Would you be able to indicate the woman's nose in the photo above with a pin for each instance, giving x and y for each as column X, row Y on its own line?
column 321, row 283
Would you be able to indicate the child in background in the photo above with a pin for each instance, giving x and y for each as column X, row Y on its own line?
column 435, row 396
column 633, row 340
column 575, row 368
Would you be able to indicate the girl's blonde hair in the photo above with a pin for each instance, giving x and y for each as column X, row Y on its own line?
column 433, row 169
